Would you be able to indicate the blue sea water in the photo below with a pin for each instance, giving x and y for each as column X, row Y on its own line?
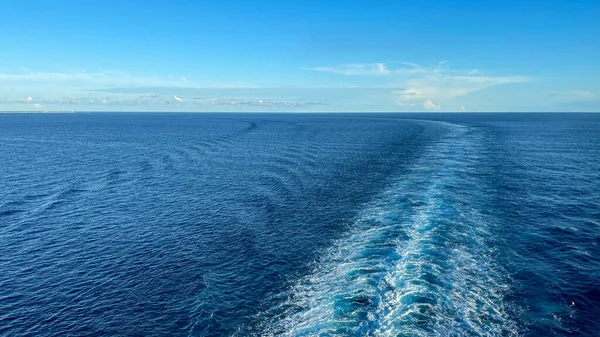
column 299, row 225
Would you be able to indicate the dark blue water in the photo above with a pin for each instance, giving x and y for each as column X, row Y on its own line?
column 300, row 225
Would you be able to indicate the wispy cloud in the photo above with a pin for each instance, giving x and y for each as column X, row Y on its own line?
column 261, row 102
column 84, row 90
column 42, row 83
column 382, row 69
column 443, row 83
column 574, row 94
column 402, row 86
column 87, row 79
column 373, row 69
column 448, row 86
column 426, row 84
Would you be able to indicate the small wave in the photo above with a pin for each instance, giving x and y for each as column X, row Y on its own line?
column 251, row 127
column 8, row 212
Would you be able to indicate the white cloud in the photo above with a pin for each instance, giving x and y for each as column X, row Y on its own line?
column 448, row 86
column 429, row 105
column 376, row 69
column 108, row 90
column 420, row 83
column 443, row 83
column 392, row 87
column 462, row 108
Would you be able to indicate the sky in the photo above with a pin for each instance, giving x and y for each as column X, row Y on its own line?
column 292, row 55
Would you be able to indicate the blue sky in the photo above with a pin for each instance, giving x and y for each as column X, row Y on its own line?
column 250, row 55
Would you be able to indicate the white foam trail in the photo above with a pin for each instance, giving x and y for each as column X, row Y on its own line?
column 416, row 262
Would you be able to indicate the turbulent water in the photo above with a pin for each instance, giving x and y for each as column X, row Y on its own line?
column 300, row 225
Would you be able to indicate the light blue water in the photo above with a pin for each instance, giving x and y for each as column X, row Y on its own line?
column 300, row 225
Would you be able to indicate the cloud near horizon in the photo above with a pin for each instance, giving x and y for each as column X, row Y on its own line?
column 404, row 86
column 425, row 84
column 429, row 105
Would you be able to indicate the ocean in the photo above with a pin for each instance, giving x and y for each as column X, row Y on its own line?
column 165, row 224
